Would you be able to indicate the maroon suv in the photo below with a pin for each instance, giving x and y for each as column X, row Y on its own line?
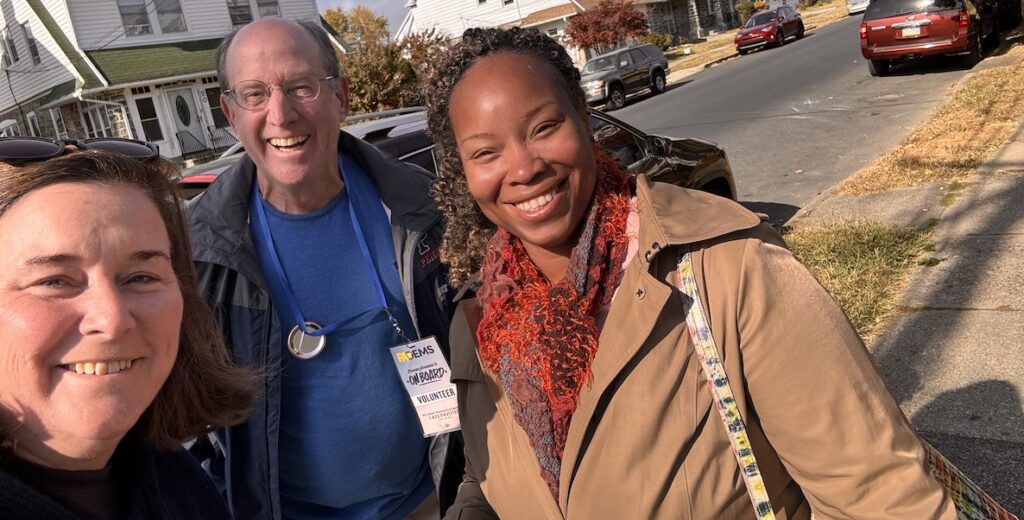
column 905, row 29
column 770, row 27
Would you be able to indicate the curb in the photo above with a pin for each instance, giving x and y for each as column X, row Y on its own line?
column 720, row 60
column 1014, row 146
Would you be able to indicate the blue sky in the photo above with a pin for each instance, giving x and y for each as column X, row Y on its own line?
column 393, row 10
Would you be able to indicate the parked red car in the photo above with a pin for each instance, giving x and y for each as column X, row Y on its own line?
column 906, row 29
column 769, row 27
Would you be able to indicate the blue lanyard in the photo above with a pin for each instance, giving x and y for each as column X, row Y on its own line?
column 264, row 227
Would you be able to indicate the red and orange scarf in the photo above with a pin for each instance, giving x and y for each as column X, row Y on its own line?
column 540, row 338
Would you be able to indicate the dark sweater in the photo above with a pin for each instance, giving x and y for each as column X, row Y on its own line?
column 151, row 486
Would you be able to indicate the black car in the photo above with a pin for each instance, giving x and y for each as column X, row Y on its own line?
column 689, row 162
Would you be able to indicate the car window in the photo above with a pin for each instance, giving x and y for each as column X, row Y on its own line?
column 638, row 57
column 623, row 59
column 652, row 52
column 423, row 158
column 760, row 19
column 888, row 8
column 599, row 65
column 625, row 146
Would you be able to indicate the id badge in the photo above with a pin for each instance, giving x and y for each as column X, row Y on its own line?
column 428, row 381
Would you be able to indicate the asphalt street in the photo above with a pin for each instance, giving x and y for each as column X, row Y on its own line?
column 798, row 119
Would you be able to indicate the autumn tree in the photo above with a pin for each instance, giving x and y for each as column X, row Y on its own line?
column 379, row 76
column 423, row 50
column 358, row 25
column 606, row 26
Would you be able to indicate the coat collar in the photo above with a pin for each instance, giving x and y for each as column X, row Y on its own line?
column 674, row 216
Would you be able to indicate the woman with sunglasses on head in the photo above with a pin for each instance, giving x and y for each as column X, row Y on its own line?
column 109, row 359
column 580, row 391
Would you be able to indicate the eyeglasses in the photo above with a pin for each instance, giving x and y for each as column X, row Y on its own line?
column 18, row 150
column 253, row 94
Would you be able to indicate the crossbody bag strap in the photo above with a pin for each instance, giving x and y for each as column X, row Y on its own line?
column 718, row 381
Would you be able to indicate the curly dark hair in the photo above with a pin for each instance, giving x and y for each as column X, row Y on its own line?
column 467, row 230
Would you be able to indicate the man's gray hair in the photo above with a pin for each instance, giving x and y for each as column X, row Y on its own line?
column 324, row 45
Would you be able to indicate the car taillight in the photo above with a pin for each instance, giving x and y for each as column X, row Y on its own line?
column 965, row 19
column 863, row 31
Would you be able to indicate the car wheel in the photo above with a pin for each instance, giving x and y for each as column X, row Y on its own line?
column 879, row 67
column 616, row 98
column 780, row 38
column 800, row 31
column 658, row 84
column 972, row 58
column 741, row 51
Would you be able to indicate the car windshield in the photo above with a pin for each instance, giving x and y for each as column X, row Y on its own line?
column 760, row 19
column 889, row 8
column 599, row 65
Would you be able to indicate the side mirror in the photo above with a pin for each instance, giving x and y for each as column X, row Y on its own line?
column 659, row 145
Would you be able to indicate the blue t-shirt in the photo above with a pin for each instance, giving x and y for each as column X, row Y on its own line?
column 350, row 445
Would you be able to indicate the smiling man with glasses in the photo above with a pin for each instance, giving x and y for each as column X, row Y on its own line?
column 318, row 255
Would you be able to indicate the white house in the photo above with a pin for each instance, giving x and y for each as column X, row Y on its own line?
column 690, row 18
column 142, row 69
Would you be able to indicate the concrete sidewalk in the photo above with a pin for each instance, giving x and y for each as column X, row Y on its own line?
column 954, row 355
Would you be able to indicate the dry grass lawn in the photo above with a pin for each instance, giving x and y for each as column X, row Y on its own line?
column 865, row 265
column 962, row 134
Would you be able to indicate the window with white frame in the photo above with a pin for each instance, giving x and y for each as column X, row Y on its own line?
column 140, row 17
column 268, row 8
column 33, row 124
column 213, row 99
column 170, row 16
column 9, row 128
column 58, row 124
column 240, row 12
column 33, row 48
column 10, row 50
column 148, row 118
column 95, row 121
column 134, row 17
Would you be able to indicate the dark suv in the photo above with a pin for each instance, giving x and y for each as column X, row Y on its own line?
column 609, row 78
column 905, row 29
column 691, row 163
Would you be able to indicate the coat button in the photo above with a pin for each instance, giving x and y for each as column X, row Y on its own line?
column 640, row 293
column 647, row 257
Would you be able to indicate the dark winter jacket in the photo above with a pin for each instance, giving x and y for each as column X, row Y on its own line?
column 243, row 460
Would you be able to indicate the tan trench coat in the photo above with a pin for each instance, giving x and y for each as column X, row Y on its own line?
column 646, row 441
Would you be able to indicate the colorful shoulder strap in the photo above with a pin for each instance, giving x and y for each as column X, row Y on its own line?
column 971, row 502
column 704, row 345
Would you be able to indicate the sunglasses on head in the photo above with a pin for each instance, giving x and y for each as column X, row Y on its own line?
column 18, row 150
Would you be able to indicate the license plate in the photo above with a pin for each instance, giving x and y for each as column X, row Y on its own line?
column 911, row 32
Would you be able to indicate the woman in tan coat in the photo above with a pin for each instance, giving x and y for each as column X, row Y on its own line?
column 579, row 391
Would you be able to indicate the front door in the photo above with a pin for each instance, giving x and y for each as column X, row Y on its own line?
column 188, row 128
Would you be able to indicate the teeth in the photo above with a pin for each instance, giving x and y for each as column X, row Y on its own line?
column 536, row 203
column 287, row 141
column 100, row 368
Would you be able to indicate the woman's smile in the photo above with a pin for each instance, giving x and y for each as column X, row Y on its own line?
column 539, row 207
